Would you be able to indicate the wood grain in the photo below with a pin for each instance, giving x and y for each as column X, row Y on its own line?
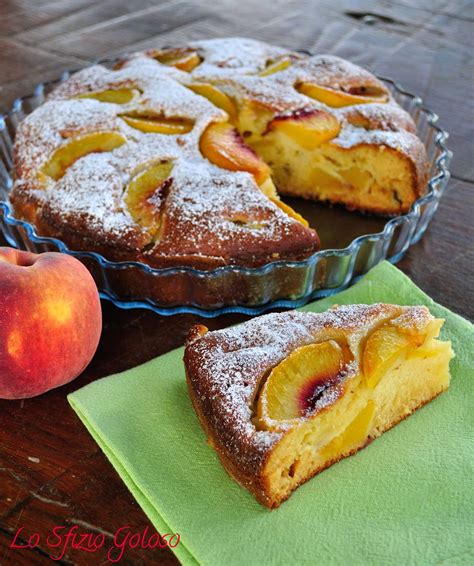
column 51, row 471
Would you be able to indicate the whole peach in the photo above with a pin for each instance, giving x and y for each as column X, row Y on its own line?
column 50, row 321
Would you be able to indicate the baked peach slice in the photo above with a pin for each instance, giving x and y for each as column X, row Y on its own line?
column 151, row 124
column 145, row 193
column 268, row 188
column 352, row 436
column 183, row 59
column 384, row 348
column 295, row 384
column 289, row 211
column 275, row 66
column 114, row 96
column 339, row 98
column 77, row 147
column 308, row 127
column 216, row 96
column 222, row 144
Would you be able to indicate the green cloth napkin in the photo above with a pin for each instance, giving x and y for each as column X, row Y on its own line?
column 405, row 499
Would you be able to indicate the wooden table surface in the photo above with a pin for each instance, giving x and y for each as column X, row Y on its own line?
column 51, row 471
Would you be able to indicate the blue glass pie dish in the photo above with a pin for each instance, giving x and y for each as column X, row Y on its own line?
column 252, row 291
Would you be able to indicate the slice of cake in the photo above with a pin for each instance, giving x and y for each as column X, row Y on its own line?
column 284, row 396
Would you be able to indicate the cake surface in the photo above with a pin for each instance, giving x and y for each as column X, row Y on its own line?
column 284, row 396
column 176, row 157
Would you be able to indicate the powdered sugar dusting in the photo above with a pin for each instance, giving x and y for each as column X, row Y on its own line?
column 405, row 142
column 223, row 57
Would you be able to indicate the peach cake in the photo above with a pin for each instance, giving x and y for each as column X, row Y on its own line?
column 286, row 395
column 178, row 156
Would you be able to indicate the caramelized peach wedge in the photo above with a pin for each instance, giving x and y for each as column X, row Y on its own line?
column 286, row 208
column 222, row 144
column 183, row 59
column 145, row 194
column 114, row 96
column 390, row 345
column 216, row 96
column 77, row 147
column 339, row 98
column 353, row 435
column 384, row 348
column 154, row 124
column 308, row 127
column 295, row 385
column 275, row 66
